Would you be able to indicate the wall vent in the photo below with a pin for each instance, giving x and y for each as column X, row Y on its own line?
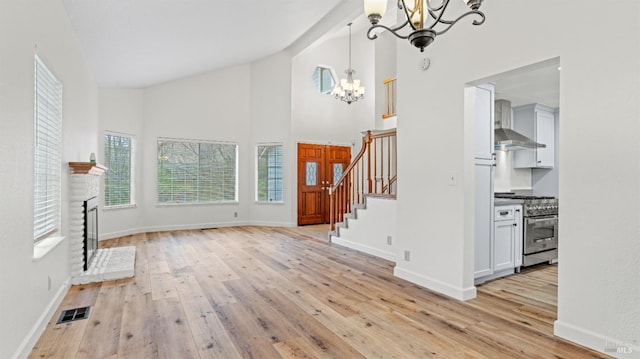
column 70, row 315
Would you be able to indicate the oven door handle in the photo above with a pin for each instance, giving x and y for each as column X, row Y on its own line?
column 543, row 240
column 536, row 220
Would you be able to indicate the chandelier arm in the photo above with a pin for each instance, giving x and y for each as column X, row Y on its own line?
column 475, row 22
column 444, row 4
column 438, row 18
column 392, row 30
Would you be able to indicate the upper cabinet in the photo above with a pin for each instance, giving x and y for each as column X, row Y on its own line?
column 538, row 123
column 483, row 102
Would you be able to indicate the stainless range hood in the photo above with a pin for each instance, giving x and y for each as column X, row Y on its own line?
column 505, row 138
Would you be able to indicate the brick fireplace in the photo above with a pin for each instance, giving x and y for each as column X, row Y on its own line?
column 85, row 185
column 107, row 263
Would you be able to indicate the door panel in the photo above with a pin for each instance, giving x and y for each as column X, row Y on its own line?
column 318, row 167
column 338, row 158
column 310, row 189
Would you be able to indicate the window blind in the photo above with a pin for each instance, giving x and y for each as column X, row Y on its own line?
column 269, row 186
column 47, row 153
column 196, row 172
column 119, row 179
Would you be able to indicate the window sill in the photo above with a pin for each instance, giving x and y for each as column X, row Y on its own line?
column 43, row 247
column 123, row 206
column 279, row 203
column 160, row 205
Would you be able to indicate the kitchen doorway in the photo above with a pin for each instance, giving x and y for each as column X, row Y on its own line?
column 319, row 167
column 535, row 87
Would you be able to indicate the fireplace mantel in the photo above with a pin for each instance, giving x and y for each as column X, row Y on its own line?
column 87, row 168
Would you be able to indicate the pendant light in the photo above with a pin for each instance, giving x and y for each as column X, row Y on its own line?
column 349, row 89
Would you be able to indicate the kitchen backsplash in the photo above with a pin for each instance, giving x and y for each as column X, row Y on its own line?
column 506, row 178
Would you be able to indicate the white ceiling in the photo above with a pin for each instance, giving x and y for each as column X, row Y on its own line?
column 539, row 83
column 138, row 43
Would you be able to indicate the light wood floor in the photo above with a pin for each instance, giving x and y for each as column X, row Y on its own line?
column 255, row 292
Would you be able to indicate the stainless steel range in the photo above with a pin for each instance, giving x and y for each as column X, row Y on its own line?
column 540, row 228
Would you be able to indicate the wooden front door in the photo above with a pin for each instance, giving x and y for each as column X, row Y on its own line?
column 319, row 166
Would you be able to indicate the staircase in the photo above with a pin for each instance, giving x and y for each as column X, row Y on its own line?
column 370, row 178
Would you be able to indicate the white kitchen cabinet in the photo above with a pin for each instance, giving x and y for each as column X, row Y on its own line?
column 518, row 238
column 479, row 102
column 504, row 239
column 538, row 123
column 483, row 103
column 506, row 244
column 483, row 229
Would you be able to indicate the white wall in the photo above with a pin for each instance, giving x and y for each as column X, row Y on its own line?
column 271, row 123
column 215, row 107
column 26, row 298
column 121, row 112
column 385, row 68
column 247, row 104
column 319, row 117
column 368, row 231
column 599, row 285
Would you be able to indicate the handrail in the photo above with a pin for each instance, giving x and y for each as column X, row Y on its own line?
column 372, row 171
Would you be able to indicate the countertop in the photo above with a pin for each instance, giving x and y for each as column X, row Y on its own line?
column 506, row 201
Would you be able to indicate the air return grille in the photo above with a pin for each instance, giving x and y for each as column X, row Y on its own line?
column 73, row 314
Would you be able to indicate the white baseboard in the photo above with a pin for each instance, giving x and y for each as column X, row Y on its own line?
column 41, row 324
column 128, row 232
column 435, row 285
column 614, row 347
column 390, row 256
column 272, row 224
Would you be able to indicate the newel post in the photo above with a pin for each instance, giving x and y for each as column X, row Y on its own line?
column 366, row 141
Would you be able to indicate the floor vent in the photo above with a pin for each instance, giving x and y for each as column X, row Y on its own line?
column 70, row 315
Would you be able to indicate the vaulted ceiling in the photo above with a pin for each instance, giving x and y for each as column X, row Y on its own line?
column 137, row 43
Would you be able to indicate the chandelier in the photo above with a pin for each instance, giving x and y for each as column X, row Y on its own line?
column 349, row 90
column 421, row 16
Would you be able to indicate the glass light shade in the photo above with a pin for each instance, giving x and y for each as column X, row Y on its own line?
column 377, row 7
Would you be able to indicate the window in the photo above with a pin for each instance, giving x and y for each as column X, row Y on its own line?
column 196, row 172
column 47, row 152
column 324, row 79
column 119, row 151
column 269, row 186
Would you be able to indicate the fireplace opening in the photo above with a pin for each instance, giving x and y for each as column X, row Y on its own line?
column 90, row 230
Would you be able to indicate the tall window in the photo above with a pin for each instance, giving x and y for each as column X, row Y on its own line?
column 119, row 151
column 47, row 157
column 269, row 186
column 196, row 172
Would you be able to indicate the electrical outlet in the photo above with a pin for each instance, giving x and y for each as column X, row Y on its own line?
column 452, row 179
column 389, row 240
column 235, row 214
column 407, row 256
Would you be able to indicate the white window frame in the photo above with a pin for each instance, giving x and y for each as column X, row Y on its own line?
column 257, row 172
column 132, row 170
column 47, row 186
column 192, row 141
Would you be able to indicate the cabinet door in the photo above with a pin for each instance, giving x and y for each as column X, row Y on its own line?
column 483, row 226
column 517, row 241
column 483, row 117
column 504, row 252
column 545, row 134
